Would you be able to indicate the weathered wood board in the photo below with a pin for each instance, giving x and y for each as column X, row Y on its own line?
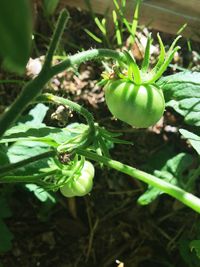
column 163, row 15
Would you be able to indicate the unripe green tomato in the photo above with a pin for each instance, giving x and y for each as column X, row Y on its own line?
column 138, row 105
column 81, row 184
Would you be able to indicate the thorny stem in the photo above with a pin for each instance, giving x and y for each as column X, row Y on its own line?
column 34, row 87
column 188, row 199
column 84, row 56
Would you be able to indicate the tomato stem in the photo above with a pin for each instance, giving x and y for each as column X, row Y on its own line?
column 186, row 198
column 93, row 54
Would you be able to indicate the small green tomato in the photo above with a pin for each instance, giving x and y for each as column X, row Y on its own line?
column 80, row 184
column 138, row 105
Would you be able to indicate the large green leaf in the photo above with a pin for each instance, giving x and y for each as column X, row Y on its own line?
column 182, row 93
column 24, row 147
column 23, row 132
column 15, row 33
column 23, row 150
column 48, row 135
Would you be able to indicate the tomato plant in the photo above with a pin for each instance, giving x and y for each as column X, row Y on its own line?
column 48, row 158
column 132, row 95
column 81, row 183
column 138, row 105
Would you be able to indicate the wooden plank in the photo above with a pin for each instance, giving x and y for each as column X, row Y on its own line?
column 162, row 15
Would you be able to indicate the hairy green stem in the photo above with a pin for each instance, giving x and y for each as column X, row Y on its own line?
column 188, row 199
column 88, row 55
column 10, row 167
column 34, row 87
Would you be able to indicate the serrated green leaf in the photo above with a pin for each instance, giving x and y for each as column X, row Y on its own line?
column 48, row 135
column 26, row 149
column 15, row 32
column 182, row 93
column 193, row 139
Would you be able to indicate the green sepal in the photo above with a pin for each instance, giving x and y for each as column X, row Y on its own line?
column 133, row 69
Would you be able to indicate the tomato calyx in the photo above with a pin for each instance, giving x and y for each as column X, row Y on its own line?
column 142, row 75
